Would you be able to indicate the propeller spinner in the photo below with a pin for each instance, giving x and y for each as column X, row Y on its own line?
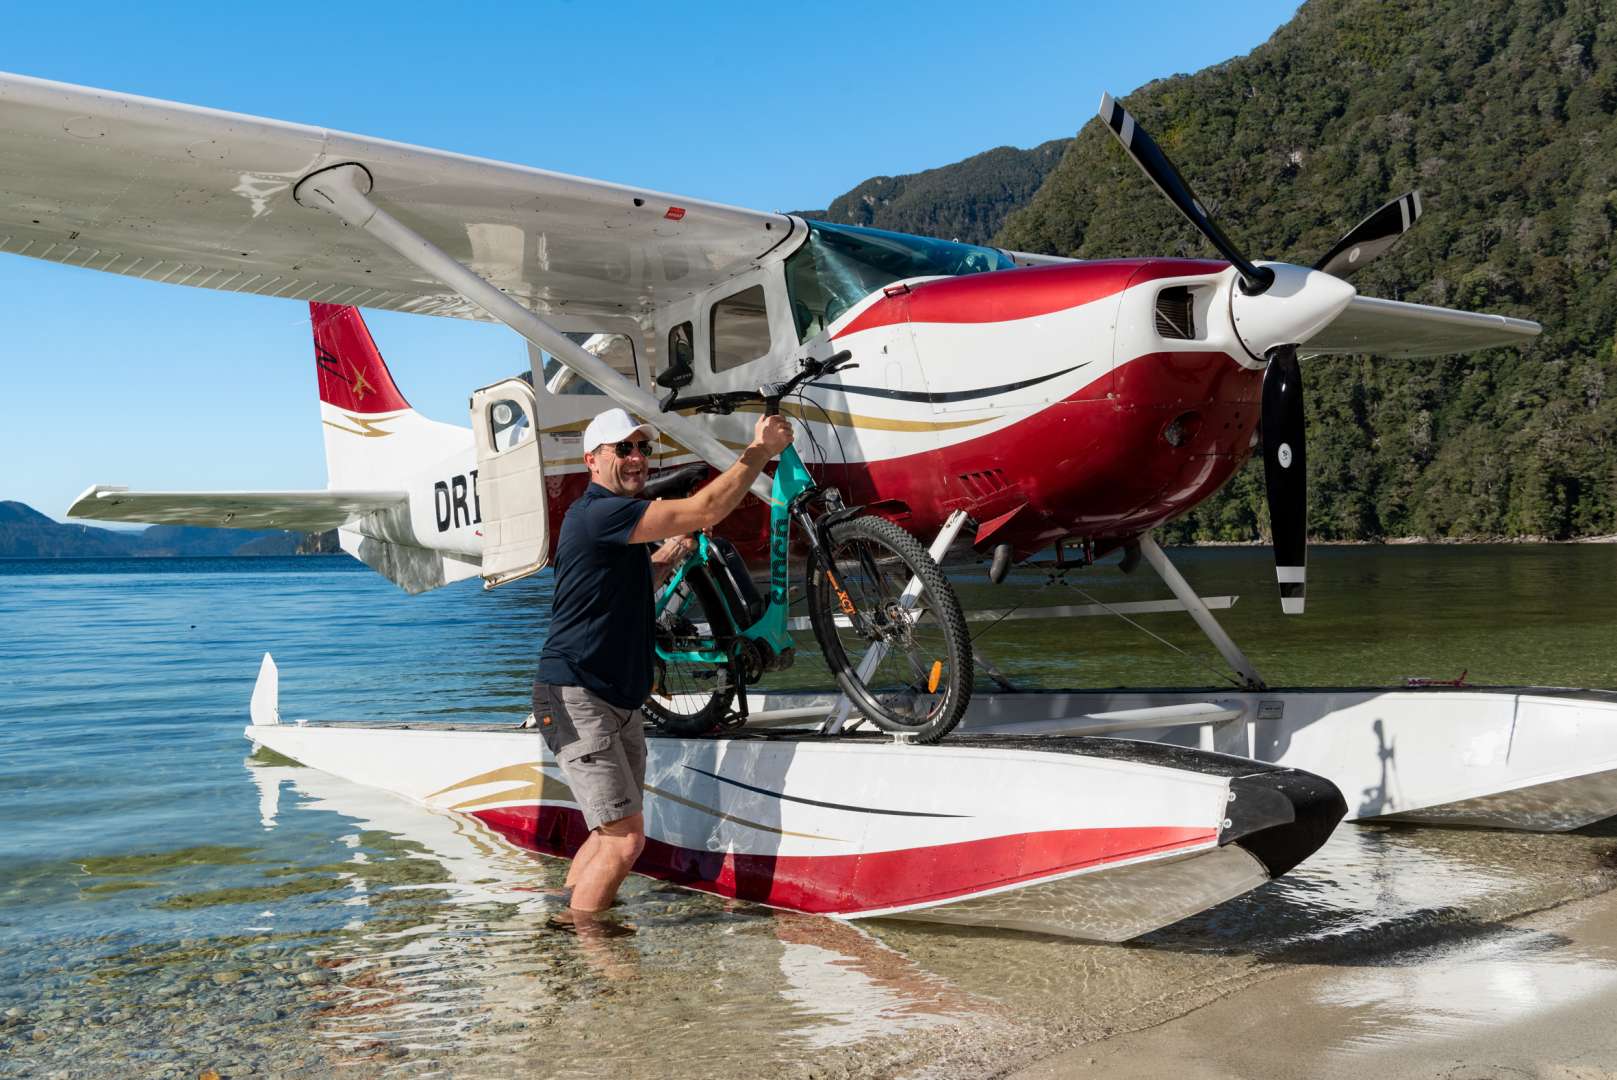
column 1277, row 307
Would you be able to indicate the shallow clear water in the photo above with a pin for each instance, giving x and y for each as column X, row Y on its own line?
column 170, row 904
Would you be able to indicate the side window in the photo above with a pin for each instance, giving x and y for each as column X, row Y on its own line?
column 616, row 349
column 681, row 358
column 508, row 424
column 740, row 329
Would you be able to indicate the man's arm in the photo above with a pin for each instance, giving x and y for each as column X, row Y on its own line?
column 711, row 505
column 665, row 558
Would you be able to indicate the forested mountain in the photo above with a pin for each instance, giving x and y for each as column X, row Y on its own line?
column 1501, row 113
column 964, row 201
column 25, row 533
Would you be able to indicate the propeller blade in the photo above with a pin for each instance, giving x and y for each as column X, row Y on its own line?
column 1150, row 158
column 1370, row 238
column 1285, row 473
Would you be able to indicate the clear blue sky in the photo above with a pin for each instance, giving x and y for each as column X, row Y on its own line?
column 112, row 380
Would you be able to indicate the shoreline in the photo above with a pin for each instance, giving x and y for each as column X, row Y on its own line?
column 1399, row 541
column 1409, row 541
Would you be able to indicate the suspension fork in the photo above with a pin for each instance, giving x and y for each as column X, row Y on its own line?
column 818, row 532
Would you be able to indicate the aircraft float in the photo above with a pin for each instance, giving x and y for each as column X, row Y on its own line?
column 1004, row 404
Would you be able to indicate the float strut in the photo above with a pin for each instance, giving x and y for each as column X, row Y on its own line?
column 344, row 190
column 1226, row 646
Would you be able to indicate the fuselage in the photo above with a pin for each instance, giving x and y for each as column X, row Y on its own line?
column 1045, row 402
column 1084, row 401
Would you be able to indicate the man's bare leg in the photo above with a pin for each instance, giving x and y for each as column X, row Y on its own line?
column 586, row 854
column 617, row 845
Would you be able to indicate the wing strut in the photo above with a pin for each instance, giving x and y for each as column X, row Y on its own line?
column 344, row 190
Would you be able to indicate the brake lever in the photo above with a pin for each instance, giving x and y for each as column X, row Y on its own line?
column 838, row 361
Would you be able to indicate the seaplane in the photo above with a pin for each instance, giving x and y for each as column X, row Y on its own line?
column 1004, row 404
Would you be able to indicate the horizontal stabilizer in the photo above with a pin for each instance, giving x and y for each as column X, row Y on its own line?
column 300, row 511
column 1393, row 328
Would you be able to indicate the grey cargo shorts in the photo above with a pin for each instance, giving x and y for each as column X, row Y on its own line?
column 601, row 750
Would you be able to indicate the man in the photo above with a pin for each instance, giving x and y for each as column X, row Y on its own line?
column 596, row 667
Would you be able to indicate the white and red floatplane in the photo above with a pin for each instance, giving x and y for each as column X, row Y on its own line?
column 1051, row 402
column 1103, row 839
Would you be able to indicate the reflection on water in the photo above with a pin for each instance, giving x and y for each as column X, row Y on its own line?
column 461, row 967
column 1512, row 977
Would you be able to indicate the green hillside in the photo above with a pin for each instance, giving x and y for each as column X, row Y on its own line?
column 964, row 201
column 1501, row 113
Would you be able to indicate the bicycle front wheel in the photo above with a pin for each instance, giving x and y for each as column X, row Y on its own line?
column 691, row 696
column 899, row 650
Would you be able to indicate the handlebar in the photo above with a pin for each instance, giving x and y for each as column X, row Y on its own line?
column 770, row 393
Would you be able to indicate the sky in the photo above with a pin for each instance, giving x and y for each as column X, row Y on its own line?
column 105, row 379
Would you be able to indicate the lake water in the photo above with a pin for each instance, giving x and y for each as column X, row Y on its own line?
column 171, row 904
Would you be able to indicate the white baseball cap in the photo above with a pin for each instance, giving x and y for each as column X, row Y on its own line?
column 613, row 426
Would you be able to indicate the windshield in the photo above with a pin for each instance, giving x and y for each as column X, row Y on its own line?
column 840, row 265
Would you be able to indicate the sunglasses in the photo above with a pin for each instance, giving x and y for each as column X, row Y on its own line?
column 625, row 448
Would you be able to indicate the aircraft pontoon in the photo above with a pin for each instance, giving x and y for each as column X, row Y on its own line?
column 1101, row 839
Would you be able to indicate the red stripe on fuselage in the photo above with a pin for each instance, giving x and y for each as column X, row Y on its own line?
column 1005, row 295
column 1094, row 465
column 871, row 881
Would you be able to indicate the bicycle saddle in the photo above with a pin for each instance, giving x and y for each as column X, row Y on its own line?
column 675, row 483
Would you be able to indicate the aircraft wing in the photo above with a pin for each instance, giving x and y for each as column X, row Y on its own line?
column 301, row 511
column 1394, row 328
column 193, row 196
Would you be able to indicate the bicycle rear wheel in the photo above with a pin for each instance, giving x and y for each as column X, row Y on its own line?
column 692, row 697
column 905, row 667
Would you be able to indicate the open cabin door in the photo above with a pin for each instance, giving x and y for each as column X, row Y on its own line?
column 510, row 482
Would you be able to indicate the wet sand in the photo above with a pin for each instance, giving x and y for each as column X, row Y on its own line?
column 1533, row 998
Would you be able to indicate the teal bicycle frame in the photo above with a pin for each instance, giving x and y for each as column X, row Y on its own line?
column 791, row 482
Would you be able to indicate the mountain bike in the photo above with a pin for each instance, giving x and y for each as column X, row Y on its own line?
column 885, row 617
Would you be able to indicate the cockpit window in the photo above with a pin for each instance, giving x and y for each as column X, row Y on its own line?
column 840, row 265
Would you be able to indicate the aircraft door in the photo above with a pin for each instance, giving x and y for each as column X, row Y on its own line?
column 510, row 482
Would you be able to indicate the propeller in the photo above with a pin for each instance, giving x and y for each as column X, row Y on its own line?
column 1277, row 307
column 1149, row 156
column 1371, row 238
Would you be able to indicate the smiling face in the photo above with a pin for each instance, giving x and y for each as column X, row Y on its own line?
column 621, row 475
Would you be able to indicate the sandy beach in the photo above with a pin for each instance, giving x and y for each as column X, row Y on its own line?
column 1535, row 997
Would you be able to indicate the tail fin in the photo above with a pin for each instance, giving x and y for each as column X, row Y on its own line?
column 374, row 439
column 352, row 374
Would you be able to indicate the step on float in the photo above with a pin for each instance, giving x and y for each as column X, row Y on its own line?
column 1094, row 838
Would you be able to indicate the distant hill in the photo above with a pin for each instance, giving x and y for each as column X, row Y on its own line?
column 25, row 533
column 1504, row 115
column 967, row 201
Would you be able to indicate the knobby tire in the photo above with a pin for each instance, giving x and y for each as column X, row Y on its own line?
column 680, row 677
column 863, row 544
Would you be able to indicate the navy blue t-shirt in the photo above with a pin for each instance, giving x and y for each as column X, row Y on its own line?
column 601, row 624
